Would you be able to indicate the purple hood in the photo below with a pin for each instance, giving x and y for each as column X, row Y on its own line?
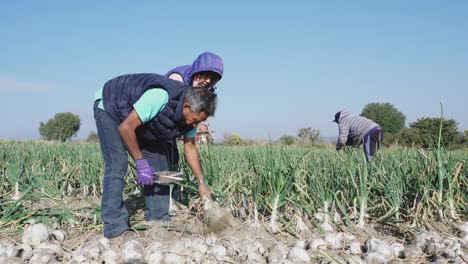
column 206, row 61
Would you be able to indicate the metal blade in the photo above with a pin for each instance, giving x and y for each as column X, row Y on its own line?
column 166, row 177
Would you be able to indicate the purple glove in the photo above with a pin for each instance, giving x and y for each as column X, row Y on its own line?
column 145, row 172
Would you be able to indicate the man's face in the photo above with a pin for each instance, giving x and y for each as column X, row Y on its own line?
column 192, row 119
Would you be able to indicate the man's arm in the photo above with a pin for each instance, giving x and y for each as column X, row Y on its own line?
column 177, row 77
column 342, row 137
column 127, row 133
column 193, row 160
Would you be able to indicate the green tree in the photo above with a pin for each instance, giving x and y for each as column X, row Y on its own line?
column 287, row 140
column 236, row 140
column 386, row 115
column 92, row 137
column 308, row 135
column 62, row 127
column 408, row 137
column 465, row 137
column 428, row 130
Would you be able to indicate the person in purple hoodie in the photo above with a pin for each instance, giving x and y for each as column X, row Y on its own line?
column 204, row 72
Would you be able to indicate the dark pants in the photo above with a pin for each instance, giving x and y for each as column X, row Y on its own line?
column 113, row 211
column 372, row 141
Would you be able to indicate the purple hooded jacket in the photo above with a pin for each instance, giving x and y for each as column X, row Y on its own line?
column 206, row 61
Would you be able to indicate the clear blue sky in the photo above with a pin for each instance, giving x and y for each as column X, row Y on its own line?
column 288, row 64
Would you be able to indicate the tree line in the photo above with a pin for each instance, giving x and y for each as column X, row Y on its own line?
column 422, row 133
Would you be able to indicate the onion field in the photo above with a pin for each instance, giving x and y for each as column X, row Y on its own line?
column 289, row 191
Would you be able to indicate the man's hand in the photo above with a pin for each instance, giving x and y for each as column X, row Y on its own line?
column 204, row 191
column 145, row 172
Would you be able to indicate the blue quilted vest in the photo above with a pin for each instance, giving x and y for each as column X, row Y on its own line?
column 122, row 92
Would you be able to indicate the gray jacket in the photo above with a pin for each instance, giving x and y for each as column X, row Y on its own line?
column 352, row 129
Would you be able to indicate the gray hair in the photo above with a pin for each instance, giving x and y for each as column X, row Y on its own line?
column 201, row 100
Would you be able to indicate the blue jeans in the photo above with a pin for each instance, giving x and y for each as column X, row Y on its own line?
column 113, row 212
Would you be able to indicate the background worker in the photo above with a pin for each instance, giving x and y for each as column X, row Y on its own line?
column 355, row 130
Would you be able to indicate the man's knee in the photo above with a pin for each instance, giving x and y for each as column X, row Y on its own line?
column 119, row 166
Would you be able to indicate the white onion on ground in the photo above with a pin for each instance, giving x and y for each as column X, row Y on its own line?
column 208, row 260
column 338, row 240
column 53, row 248
column 277, row 254
column 154, row 257
column 236, row 249
column 11, row 260
column 198, row 245
column 300, row 226
column 254, row 261
column 78, row 256
column 25, row 251
column 464, row 232
column 55, row 225
column 179, row 248
column 198, row 257
column 334, row 240
column 355, row 260
column 42, row 257
column 218, row 251
column 8, row 249
column 421, row 239
column 132, row 251
column 374, row 245
column 463, row 227
column 104, row 242
column 256, row 257
column 109, row 256
column 461, row 258
column 259, row 247
column 154, row 247
column 432, row 247
column 58, row 235
column 398, row 250
column 324, row 219
column 452, row 250
column 211, row 239
column 301, row 244
column 92, row 250
column 172, row 258
column 35, row 234
column 375, row 258
column 463, row 244
column 439, row 260
column 298, row 255
column 317, row 243
column 355, row 248
column 413, row 252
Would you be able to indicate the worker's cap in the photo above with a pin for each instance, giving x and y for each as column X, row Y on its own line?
column 337, row 117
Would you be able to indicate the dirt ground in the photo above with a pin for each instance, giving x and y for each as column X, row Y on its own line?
column 188, row 239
